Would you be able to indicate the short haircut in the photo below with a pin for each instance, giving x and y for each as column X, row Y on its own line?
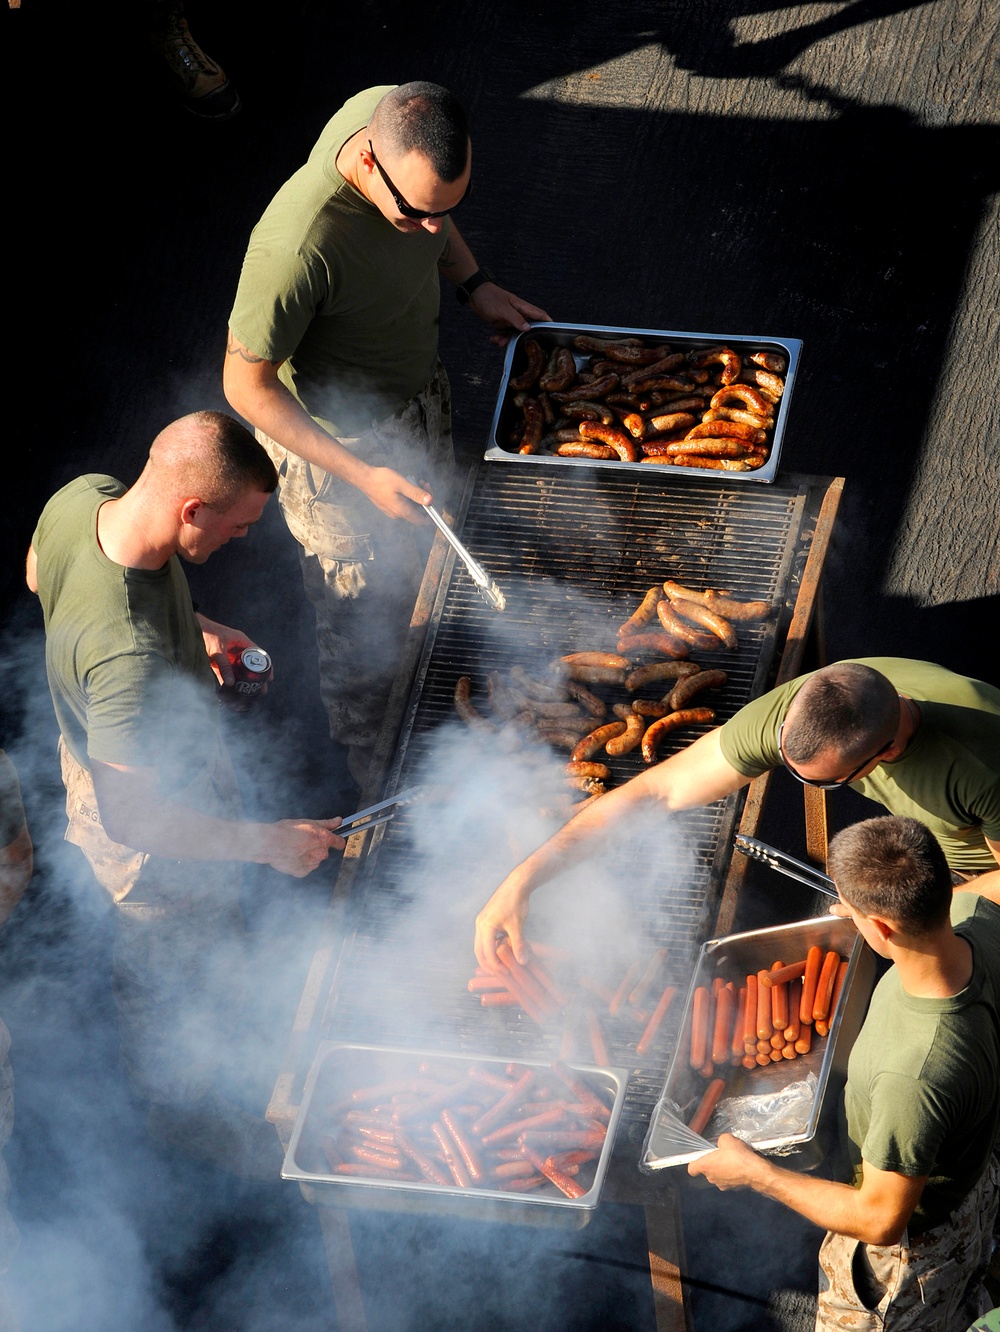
column 893, row 867
column 211, row 456
column 428, row 119
column 848, row 707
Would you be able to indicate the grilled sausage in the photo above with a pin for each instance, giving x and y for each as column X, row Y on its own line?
column 685, row 690
column 770, row 361
column 589, row 411
column 672, row 722
column 730, row 361
column 584, row 448
column 597, row 739
column 596, row 388
column 560, row 370
column 655, row 672
column 656, row 640
column 679, row 628
column 625, row 447
column 726, row 430
column 644, row 612
column 535, row 358
column 631, row 736
column 749, row 396
column 709, row 619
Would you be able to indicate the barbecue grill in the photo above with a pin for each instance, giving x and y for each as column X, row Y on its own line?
column 574, row 550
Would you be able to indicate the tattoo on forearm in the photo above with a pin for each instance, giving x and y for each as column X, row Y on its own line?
column 234, row 348
column 446, row 261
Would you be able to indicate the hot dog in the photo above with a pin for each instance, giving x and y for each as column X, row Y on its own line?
column 723, row 1028
column 779, row 1000
column 750, row 1014
column 736, row 1042
column 782, row 975
column 656, row 1020
column 824, row 986
column 699, row 1026
column 706, row 1106
column 810, row 979
column 765, row 1025
column 685, row 690
column 659, row 729
column 648, row 976
column 451, row 1157
column 559, row 1178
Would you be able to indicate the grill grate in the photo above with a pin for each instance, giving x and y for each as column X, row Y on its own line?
column 574, row 553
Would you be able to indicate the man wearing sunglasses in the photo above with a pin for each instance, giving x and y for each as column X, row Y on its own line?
column 920, row 740
column 333, row 357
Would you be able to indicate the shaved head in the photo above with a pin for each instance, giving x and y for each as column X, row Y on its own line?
column 210, row 456
column 847, row 707
column 423, row 118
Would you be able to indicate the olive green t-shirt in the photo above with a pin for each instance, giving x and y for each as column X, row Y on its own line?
column 949, row 775
column 331, row 288
column 922, row 1079
column 125, row 657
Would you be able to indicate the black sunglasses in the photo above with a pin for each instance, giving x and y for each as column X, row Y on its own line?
column 414, row 214
column 828, row 786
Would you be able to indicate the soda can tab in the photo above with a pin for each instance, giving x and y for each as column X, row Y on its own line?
column 252, row 669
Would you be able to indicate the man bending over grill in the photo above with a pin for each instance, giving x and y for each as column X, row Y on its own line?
column 151, row 796
column 333, row 358
column 909, row 1238
column 918, row 739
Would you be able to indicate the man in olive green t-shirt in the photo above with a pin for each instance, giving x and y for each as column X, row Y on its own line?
column 909, row 1238
column 920, row 740
column 333, row 357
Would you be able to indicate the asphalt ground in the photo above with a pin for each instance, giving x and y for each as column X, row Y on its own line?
column 823, row 171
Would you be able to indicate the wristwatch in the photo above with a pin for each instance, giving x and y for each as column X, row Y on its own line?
column 464, row 290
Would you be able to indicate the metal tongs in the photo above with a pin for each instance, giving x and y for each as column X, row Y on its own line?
column 363, row 816
column 786, row 864
column 488, row 589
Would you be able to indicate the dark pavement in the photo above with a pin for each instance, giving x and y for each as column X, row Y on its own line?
column 826, row 172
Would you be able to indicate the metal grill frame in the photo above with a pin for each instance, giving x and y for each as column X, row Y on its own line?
column 815, row 501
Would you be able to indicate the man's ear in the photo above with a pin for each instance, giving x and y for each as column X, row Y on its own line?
column 190, row 508
column 885, row 929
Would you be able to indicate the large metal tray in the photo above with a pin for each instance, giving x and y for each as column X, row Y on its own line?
column 668, row 1141
column 339, row 1067
column 554, row 334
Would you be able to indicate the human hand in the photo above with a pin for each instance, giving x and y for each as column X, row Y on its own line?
column 396, row 495
column 297, row 846
column 219, row 638
column 503, row 916
column 733, row 1165
column 494, row 305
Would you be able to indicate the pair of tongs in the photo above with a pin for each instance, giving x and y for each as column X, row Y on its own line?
column 488, row 589
column 786, row 864
column 384, row 811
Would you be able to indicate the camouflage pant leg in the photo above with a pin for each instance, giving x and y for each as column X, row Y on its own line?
column 361, row 569
column 178, row 982
column 177, row 971
column 934, row 1282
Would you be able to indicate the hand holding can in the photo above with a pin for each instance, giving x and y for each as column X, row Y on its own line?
column 252, row 670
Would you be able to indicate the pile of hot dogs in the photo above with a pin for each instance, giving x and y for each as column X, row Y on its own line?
column 772, row 1015
column 562, row 709
column 625, row 400
column 514, row 1128
column 550, row 989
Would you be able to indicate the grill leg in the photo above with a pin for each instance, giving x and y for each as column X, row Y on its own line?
column 663, row 1235
column 343, row 1270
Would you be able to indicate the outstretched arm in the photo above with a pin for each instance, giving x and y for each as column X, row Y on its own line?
column 697, row 775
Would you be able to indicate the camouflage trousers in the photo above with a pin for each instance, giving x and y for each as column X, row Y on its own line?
column 178, row 954
column 361, row 569
column 932, row 1283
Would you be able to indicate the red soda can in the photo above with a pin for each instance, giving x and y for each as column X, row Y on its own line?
column 252, row 668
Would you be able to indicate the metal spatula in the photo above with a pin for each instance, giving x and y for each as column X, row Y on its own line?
column 488, row 589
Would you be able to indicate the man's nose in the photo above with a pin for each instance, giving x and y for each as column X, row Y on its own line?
column 433, row 224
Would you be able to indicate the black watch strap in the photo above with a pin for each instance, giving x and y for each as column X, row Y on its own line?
column 464, row 290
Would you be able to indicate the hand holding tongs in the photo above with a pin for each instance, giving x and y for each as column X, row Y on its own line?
column 786, row 864
column 488, row 589
column 363, row 816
